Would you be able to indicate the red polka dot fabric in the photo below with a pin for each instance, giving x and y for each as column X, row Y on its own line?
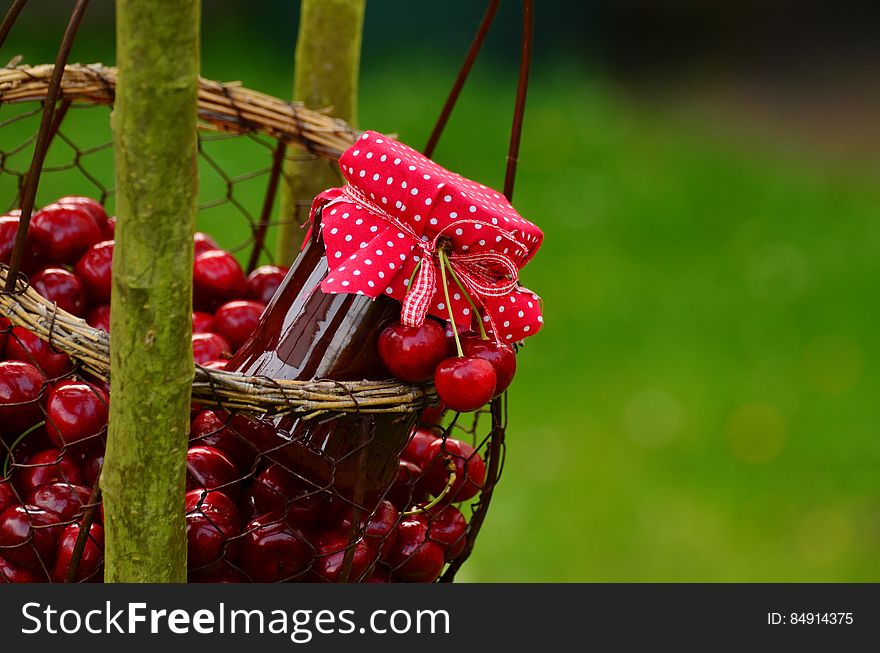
column 383, row 229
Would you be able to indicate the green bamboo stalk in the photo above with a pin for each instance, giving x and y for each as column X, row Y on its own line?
column 328, row 53
column 154, row 125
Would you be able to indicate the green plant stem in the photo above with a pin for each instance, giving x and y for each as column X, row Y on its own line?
column 155, row 148
column 483, row 334
column 444, row 263
column 328, row 51
column 450, row 481
column 16, row 442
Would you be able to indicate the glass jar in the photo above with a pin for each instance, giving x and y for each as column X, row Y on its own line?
column 307, row 334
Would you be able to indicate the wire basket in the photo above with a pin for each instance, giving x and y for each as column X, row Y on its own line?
column 423, row 526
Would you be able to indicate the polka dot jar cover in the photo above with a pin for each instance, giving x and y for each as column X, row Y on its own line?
column 383, row 229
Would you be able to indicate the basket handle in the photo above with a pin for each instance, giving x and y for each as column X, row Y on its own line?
column 44, row 136
column 521, row 89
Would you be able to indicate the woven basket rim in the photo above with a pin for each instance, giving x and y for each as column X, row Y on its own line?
column 231, row 390
column 228, row 107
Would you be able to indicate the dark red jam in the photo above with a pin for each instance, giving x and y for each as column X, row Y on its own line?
column 307, row 334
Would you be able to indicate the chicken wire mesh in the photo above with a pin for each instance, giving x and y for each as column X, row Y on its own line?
column 263, row 504
column 235, row 171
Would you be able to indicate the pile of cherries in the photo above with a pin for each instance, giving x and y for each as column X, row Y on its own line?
column 69, row 257
column 52, row 423
column 275, row 525
column 249, row 518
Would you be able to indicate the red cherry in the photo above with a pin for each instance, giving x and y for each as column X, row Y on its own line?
column 10, row 573
column 407, row 489
column 502, row 357
column 263, row 282
column 220, row 364
column 75, row 410
column 417, row 448
column 452, row 348
column 209, row 347
column 28, row 535
column 272, row 551
column 330, row 549
column 46, row 466
column 465, row 383
column 237, row 320
column 215, row 498
column 212, row 521
column 97, row 382
column 63, row 499
column 412, row 353
column 8, row 229
column 277, row 490
column 91, row 561
column 63, row 232
column 95, row 268
column 91, row 461
column 380, row 575
column 224, row 573
column 260, row 433
column 203, row 243
column 37, row 440
column 335, row 509
column 94, row 208
column 23, row 345
column 210, row 429
column 202, row 322
column 470, row 470
column 8, row 497
column 209, row 468
column 110, row 229
column 414, row 558
column 5, row 329
column 449, row 529
column 379, row 531
column 432, row 415
column 62, row 287
column 217, row 278
column 99, row 317
column 20, row 388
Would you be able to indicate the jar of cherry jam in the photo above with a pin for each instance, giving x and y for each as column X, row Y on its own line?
column 307, row 334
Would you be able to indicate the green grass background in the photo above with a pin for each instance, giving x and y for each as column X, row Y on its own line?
column 702, row 403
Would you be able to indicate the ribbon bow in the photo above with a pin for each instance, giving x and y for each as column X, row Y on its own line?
column 373, row 248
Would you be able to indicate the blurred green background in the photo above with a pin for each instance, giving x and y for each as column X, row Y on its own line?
column 702, row 404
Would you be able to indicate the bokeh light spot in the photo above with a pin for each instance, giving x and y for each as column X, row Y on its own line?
column 652, row 418
column 777, row 274
column 756, row 433
column 832, row 364
column 824, row 536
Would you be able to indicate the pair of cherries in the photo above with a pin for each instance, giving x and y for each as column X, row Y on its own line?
column 464, row 383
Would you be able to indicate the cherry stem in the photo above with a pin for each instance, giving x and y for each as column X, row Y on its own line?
column 412, row 277
column 450, row 481
column 444, row 263
column 16, row 442
column 467, row 296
